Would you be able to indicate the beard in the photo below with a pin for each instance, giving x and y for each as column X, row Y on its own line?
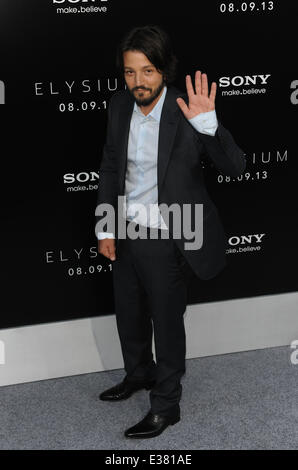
column 147, row 101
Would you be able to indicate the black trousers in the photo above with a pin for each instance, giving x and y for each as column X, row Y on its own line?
column 151, row 280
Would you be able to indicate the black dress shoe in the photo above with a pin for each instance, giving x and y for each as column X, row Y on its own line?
column 152, row 425
column 124, row 390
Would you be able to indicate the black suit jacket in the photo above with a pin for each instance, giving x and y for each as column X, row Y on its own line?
column 179, row 171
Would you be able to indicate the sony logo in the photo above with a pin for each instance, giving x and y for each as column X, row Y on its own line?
column 77, row 1
column 247, row 80
column 243, row 239
column 81, row 177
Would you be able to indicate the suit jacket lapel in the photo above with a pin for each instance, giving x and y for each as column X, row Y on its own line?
column 168, row 125
column 124, row 126
column 169, row 120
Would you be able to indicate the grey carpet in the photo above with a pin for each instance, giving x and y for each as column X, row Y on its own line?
column 245, row 400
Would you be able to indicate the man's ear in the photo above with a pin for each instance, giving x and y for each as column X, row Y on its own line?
column 163, row 76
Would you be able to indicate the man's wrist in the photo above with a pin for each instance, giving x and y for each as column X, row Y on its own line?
column 103, row 235
column 205, row 123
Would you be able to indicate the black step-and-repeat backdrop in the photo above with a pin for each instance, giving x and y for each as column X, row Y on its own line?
column 57, row 75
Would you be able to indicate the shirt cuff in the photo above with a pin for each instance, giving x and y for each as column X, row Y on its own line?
column 102, row 235
column 206, row 123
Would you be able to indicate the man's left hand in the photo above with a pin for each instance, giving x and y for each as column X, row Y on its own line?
column 198, row 101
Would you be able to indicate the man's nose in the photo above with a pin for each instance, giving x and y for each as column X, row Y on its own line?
column 138, row 80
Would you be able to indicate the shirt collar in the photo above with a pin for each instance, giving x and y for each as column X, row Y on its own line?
column 155, row 113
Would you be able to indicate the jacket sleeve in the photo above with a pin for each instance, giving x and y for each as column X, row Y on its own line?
column 223, row 151
column 107, row 183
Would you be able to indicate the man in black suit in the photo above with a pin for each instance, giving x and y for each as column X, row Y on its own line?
column 157, row 138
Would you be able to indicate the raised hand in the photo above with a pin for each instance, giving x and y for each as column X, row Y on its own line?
column 198, row 101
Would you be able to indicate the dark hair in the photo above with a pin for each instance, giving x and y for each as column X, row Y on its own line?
column 155, row 43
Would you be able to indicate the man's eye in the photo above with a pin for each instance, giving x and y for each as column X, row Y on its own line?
column 149, row 70
column 128, row 72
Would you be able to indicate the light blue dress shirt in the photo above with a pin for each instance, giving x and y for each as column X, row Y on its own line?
column 141, row 173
